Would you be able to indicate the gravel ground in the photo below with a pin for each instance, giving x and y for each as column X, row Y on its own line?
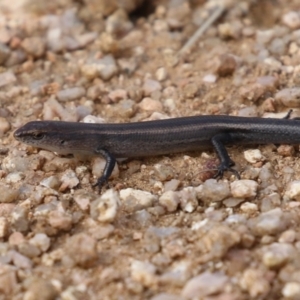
column 163, row 229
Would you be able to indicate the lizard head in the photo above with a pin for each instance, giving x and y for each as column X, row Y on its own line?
column 47, row 135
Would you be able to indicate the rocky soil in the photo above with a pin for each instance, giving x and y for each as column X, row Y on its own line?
column 163, row 228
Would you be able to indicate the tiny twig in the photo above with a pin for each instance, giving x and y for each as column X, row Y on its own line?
column 203, row 27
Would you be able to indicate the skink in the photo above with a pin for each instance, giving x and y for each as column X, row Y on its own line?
column 158, row 137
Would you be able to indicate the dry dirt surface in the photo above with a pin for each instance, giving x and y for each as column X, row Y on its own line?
column 163, row 228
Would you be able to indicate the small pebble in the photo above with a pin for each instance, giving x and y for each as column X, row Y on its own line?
column 14, row 177
column 163, row 172
column 230, row 30
column 254, row 281
column 93, row 119
column 160, row 25
column 17, row 164
column 253, row 156
column 204, row 284
column 7, row 78
column 244, row 188
column 94, row 92
column 143, row 272
column 52, row 108
column 278, row 46
column 118, row 23
column 210, row 78
column 19, row 260
column 134, row 200
column 142, row 218
column 226, row 65
column 5, row 35
column 105, row 67
column 160, row 260
column 54, row 40
column 188, row 199
column 289, row 97
column 278, row 254
column 9, row 282
column 125, row 108
column 169, row 200
column 166, row 296
column 128, row 65
column 178, row 14
column 16, row 238
column 291, row 19
column 51, row 182
column 68, row 180
column 161, row 74
column 171, row 185
column 293, row 48
column 117, row 95
column 286, row 150
column 270, row 202
column 41, row 241
column 8, row 194
column 266, row 173
column 252, row 92
column 108, row 43
column 134, row 166
column 134, row 286
column 151, row 86
column 269, row 82
column 249, row 111
column 34, row 46
column 82, row 249
column 29, row 250
column 149, row 104
column 287, row 236
column 60, row 220
column 177, row 274
column 16, row 57
column 249, row 208
column 4, row 53
column 4, row 225
column 4, row 112
column 83, row 199
column 268, row 105
column 157, row 116
column 291, row 290
column 40, row 288
column 212, row 191
column 85, row 110
column 85, row 39
column 101, row 231
column 190, row 90
column 233, row 202
column 292, row 191
column 269, row 223
column 273, row 63
column 105, row 208
column 70, row 94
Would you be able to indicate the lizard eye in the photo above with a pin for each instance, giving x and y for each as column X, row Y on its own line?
column 38, row 136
